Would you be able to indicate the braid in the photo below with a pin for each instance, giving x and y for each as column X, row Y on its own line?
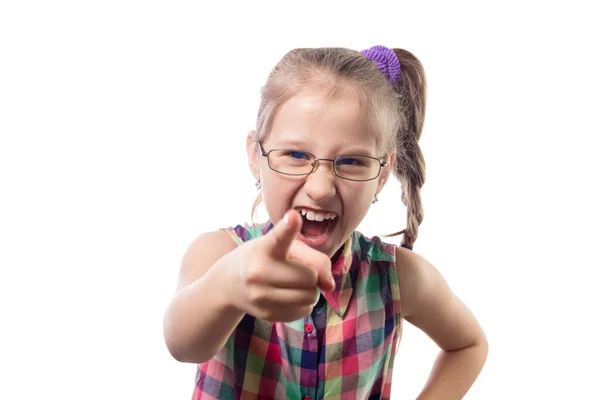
column 409, row 166
column 411, row 197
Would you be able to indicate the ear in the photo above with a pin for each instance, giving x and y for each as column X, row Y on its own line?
column 385, row 172
column 253, row 154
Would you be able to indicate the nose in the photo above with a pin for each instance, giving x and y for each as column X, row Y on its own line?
column 320, row 183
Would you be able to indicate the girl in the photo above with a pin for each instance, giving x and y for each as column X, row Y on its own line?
column 303, row 306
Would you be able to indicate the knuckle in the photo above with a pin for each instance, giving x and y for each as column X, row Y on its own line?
column 308, row 300
column 256, row 295
column 268, row 316
column 314, row 276
column 274, row 315
column 306, row 310
column 254, row 273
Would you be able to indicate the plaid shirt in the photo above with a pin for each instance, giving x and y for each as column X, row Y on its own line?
column 344, row 350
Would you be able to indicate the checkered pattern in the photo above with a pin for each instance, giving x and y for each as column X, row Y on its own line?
column 349, row 352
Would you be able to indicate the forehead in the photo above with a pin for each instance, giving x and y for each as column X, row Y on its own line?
column 323, row 122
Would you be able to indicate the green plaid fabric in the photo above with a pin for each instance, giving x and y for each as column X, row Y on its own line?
column 344, row 350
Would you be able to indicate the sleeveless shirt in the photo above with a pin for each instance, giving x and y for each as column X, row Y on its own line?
column 344, row 349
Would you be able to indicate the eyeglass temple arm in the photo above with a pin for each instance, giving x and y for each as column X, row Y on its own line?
column 262, row 151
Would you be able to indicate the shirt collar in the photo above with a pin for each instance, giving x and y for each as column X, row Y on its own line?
column 340, row 297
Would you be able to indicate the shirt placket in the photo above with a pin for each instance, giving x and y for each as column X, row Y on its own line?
column 310, row 370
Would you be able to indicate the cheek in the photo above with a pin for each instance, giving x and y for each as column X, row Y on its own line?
column 275, row 184
column 277, row 193
column 358, row 200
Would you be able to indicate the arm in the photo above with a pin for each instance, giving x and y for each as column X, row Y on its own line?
column 274, row 278
column 429, row 304
column 200, row 318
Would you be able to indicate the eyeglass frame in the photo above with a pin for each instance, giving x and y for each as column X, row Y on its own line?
column 382, row 164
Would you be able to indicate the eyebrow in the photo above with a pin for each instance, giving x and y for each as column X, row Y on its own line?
column 300, row 145
column 289, row 143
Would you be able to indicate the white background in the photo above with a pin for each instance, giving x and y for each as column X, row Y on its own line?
column 123, row 126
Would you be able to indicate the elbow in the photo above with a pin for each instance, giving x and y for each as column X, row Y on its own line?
column 178, row 348
column 481, row 349
column 184, row 356
column 484, row 348
column 175, row 353
column 482, row 342
column 170, row 339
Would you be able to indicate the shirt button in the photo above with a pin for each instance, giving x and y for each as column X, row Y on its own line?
column 308, row 328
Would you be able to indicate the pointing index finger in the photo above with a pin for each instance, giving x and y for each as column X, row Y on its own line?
column 283, row 234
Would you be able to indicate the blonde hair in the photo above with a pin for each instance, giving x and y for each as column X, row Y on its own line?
column 396, row 111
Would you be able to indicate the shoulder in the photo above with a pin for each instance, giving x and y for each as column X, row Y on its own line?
column 416, row 276
column 209, row 247
column 374, row 248
column 246, row 232
column 422, row 286
column 202, row 253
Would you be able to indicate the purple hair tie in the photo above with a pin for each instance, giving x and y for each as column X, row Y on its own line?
column 386, row 61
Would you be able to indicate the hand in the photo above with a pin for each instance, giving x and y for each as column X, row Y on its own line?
column 276, row 276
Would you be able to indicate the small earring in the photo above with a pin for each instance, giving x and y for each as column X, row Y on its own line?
column 257, row 185
column 375, row 199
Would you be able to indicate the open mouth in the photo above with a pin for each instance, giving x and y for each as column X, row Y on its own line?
column 316, row 226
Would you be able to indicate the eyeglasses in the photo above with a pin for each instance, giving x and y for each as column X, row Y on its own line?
column 296, row 163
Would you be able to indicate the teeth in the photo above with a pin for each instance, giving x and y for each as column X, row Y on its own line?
column 316, row 216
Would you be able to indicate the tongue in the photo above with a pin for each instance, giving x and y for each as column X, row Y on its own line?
column 313, row 228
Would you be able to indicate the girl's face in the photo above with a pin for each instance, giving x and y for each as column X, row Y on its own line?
column 305, row 124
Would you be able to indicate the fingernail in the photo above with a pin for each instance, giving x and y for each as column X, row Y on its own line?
column 286, row 219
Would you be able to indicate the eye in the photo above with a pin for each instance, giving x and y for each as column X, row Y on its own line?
column 298, row 155
column 352, row 161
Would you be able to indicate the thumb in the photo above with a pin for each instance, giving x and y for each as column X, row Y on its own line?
column 281, row 237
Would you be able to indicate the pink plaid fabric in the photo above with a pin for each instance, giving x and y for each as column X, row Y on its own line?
column 344, row 350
